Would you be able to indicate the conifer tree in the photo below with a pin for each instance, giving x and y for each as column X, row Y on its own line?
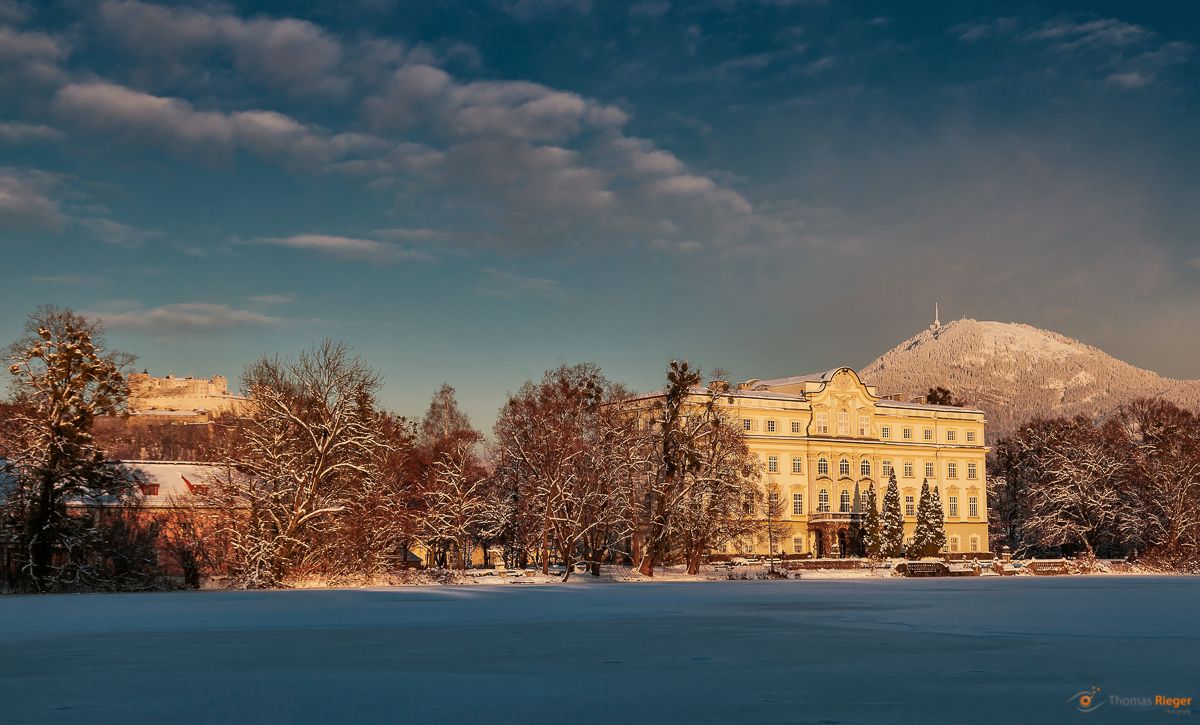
column 891, row 526
column 929, row 522
column 871, row 535
column 937, row 522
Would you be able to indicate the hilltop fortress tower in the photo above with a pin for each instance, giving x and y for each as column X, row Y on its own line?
column 181, row 397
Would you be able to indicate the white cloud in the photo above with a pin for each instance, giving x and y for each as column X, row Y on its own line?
column 173, row 122
column 25, row 202
column 350, row 248
column 15, row 132
column 182, row 320
column 290, row 54
column 507, row 285
column 528, row 9
column 278, row 298
column 116, row 233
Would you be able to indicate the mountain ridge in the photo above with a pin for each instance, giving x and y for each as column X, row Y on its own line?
column 1015, row 372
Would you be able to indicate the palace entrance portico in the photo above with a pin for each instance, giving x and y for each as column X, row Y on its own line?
column 829, row 534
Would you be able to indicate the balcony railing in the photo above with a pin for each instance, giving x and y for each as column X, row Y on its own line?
column 831, row 517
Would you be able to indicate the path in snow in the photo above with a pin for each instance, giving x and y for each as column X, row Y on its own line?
column 932, row 650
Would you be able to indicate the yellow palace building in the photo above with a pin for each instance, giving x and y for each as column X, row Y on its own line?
column 822, row 438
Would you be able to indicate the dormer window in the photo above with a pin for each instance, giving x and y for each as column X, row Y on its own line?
column 149, row 489
column 823, row 423
column 843, row 423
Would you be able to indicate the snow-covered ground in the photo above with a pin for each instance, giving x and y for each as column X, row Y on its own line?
column 964, row 650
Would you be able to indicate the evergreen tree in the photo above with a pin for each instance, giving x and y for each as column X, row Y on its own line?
column 891, row 527
column 871, row 536
column 937, row 523
column 929, row 521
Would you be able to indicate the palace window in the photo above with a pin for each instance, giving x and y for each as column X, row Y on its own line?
column 797, row 465
column 823, row 501
column 951, row 470
column 973, row 506
column 797, row 544
column 843, row 423
column 774, row 548
column 864, row 426
column 953, row 544
column 864, row 468
column 974, row 543
column 772, row 464
column 954, row 506
column 887, row 468
column 910, row 507
column 970, row 436
column 843, row 467
column 929, row 473
column 908, row 469
column 774, row 499
column 972, row 470
column 823, row 423
column 822, row 466
column 885, row 432
column 951, row 434
column 770, row 426
column 748, row 503
column 746, row 424
column 844, row 502
column 862, row 500
column 797, row 504
column 795, row 426
column 929, row 434
column 907, row 434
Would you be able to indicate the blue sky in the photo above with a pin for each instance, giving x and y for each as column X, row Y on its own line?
column 477, row 191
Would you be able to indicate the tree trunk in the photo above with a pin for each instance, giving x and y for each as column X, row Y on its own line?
column 693, row 566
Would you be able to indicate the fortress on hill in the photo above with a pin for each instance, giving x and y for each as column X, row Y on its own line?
column 175, row 399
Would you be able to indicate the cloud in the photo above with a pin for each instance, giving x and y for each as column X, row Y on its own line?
column 116, row 233
column 283, row 298
column 529, row 9
column 14, row 13
column 507, row 285
column 982, row 29
column 511, row 109
column 183, row 320
column 25, row 203
column 172, row 122
column 349, row 248
column 293, row 55
column 1090, row 34
column 30, row 58
column 649, row 9
column 15, row 132
column 70, row 280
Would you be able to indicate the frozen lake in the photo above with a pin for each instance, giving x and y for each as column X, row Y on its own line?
column 926, row 650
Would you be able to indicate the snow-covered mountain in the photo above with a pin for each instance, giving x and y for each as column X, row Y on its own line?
column 1015, row 372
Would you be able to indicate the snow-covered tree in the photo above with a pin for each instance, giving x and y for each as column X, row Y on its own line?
column 568, row 453
column 925, row 540
column 891, row 525
column 310, row 438
column 872, row 536
column 937, row 523
column 448, row 472
column 63, row 378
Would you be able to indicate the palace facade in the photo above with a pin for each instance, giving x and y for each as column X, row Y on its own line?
column 826, row 438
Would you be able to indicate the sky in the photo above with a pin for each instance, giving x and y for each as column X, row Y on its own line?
column 475, row 192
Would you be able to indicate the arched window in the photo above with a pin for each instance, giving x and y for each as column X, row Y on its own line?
column 823, row 501
column 865, row 468
column 822, row 466
column 844, row 502
column 844, row 467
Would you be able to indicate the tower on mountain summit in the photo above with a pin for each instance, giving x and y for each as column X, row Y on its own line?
column 937, row 323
